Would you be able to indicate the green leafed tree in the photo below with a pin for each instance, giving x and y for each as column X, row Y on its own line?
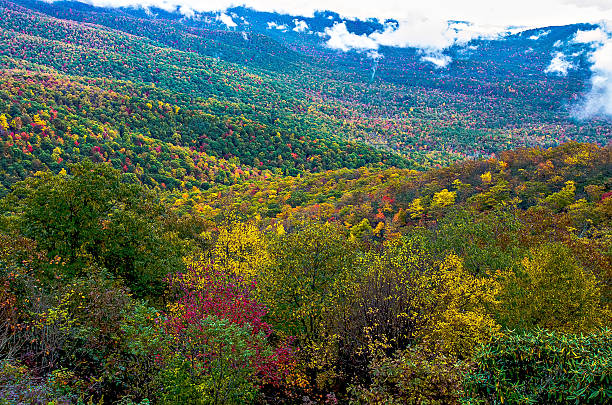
column 91, row 215
column 550, row 289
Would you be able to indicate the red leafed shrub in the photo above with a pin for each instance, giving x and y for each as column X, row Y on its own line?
column 203, row 293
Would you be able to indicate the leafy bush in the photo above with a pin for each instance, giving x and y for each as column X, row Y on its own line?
column 543, row 367
column 217, row 347
column 412, row 376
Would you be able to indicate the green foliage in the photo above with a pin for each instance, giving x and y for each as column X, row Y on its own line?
column 412, row 376
column 486, row 242
column 384, row 301
column 362, row 230
column 563, row 198
column 91, row 216
column 543, row 367
column 142, row 330
column 224, row 373
column 551, row 290
column 493, row 197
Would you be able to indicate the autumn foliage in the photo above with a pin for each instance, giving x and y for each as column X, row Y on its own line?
column 189, row 215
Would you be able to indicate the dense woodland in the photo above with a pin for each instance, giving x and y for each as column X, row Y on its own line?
column 288, row 106
column 281, row 290
column 198, row 215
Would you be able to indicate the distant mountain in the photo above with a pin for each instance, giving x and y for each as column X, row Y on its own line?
column 220, row 97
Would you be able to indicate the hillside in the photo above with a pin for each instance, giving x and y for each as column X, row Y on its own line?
column 285, row 101
column 350, row 284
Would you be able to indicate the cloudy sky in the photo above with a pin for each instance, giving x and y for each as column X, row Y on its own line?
column 529, row 13
column 422, row 24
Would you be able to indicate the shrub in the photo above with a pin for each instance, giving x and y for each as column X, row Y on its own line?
column 218, row 348
column 412, row 376
column 543, row 367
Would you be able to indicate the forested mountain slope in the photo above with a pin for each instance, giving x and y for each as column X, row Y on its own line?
column 282, row 98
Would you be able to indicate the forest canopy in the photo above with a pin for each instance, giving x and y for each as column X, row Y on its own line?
column 112, row 290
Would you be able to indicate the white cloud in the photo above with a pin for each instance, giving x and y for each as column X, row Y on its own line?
column 375, row 55
column 539, row 35
column 423, row 24
column 559, row 65
column 592, row 36
column 417, row 32
column 523, row 13
column 277, row 26
column 425, row 33
column 300, row 25
column 599, row 99
column 227, row 20
column 341, row 38
column 465, row 32
column 438, row 60
column 431, row 36
column 186, row 11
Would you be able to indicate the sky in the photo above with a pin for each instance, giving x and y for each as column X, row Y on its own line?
column 422, row 24
column 501, row 13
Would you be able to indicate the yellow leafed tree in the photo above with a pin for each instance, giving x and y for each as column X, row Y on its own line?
column 444, row 198
column 241, row 249
column 462, row 319
column 552, row 290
